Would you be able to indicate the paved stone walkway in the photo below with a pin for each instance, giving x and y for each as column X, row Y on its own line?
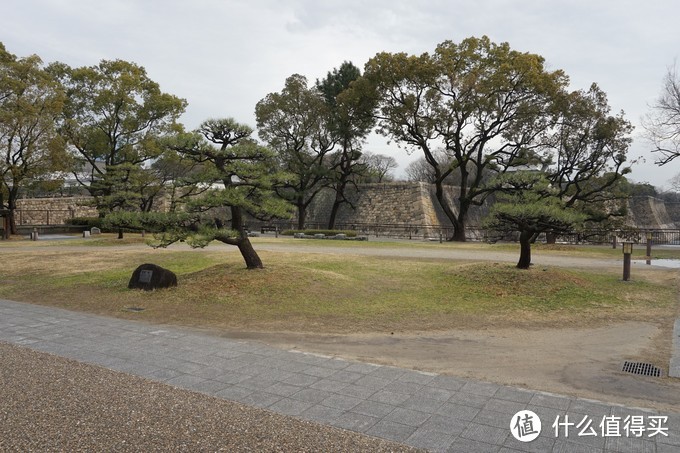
column 436, row 412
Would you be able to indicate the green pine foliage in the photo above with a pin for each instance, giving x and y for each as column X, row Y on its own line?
column 527, row 202
column 237, row 178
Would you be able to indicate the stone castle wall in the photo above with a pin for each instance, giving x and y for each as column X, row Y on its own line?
column 651, row 213
column 401, row 203
column 673, row 210
column 52, row 211
column 378, row 203
column 416, row 204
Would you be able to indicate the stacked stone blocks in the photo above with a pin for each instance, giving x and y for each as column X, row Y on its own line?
column 53, row 211
column 401, row 203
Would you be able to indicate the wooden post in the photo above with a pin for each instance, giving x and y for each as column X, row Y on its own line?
column 6, row 225
column 627, row 252
column 649, row 248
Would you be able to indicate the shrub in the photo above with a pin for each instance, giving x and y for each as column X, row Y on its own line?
column 348, row 233
column 88, row 222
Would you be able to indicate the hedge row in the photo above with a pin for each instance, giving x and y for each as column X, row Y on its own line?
column 348, row 233
column 90, row 222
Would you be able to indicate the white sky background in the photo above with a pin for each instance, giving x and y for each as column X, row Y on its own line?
column 223, row 56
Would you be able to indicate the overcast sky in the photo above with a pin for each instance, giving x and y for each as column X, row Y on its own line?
column 223, row 56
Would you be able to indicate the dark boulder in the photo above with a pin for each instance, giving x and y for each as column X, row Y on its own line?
column 149, row 277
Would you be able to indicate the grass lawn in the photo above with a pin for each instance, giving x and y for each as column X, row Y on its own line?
column 310, row 292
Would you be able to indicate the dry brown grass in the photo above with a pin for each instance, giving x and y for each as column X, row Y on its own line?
column 330, row 293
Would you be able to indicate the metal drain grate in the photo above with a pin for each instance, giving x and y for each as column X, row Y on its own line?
column 643, row 369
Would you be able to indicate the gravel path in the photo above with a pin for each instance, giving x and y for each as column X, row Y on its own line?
column 48, row 403
column 538, row 259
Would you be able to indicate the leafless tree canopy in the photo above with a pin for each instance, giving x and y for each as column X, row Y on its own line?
column 379, row 166
column 663, row 123
column 420, row 171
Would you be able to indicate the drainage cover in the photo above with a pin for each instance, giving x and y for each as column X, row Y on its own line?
column 643, row 369
column 134, row 309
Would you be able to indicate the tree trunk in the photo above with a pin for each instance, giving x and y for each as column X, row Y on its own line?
column 12, row 206
column 525, row 250
column 459, row 227
column 457, row 221
column 12, row 222
column 302, row 214
column 5, row 227
column 339, row 199
column 120, row 233
column 345, row 172
column 459, row 231
column 334, row 213
column 550, row 238
column 248, row 253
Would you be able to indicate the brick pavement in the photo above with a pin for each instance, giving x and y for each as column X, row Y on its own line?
column 435, row 412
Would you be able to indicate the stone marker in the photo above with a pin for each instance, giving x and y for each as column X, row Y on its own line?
column 319, row 236
column 299, row 235
column 86, row 234
column 95, row 230
column 149, row 277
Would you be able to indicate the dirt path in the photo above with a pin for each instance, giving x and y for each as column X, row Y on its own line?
column 577, row 362
column 444, row 253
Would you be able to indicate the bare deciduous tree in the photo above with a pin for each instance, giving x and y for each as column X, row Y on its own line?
column 379, row 166
column 663, row 123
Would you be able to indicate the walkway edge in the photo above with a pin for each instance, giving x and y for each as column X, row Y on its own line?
column 674, row 368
